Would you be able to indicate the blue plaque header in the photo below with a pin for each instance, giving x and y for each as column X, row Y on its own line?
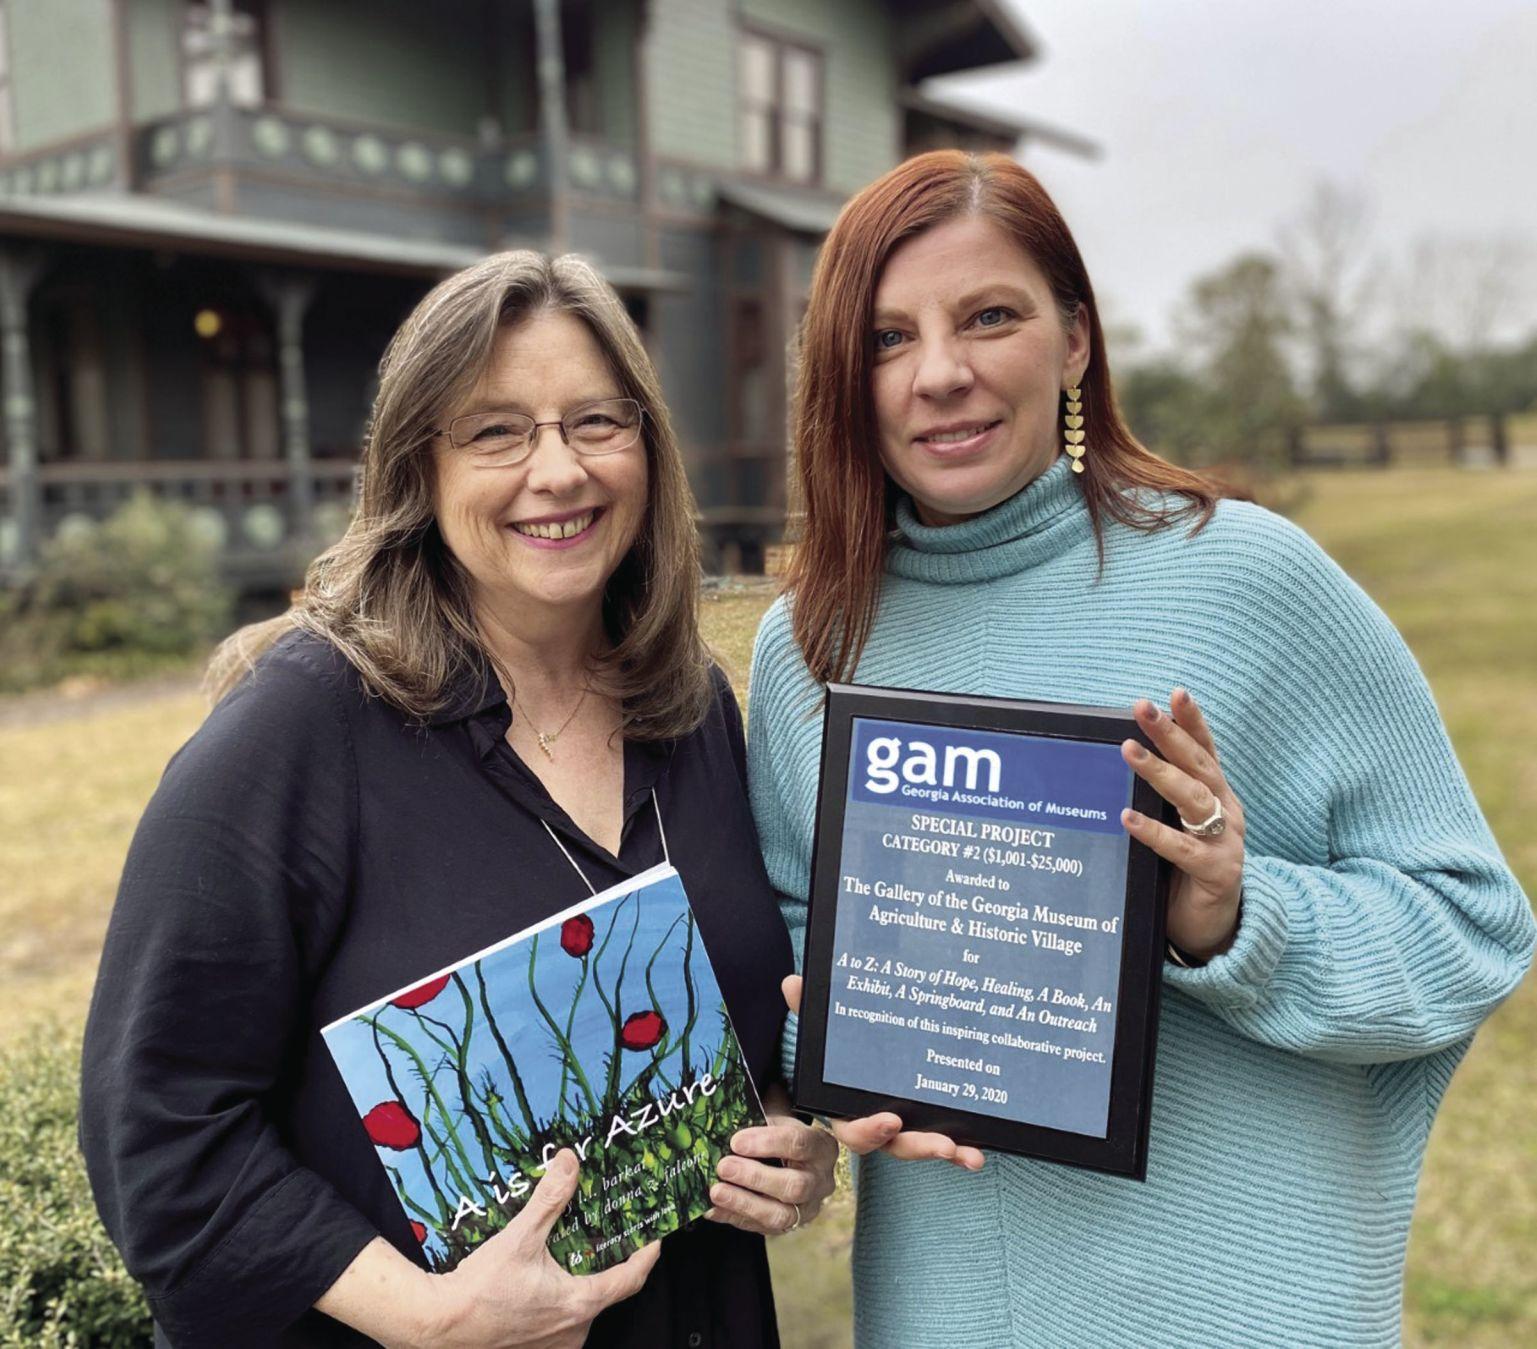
column 1070, row 784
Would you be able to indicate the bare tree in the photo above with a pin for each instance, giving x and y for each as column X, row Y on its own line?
column 1466, row 289
column 1333, row 279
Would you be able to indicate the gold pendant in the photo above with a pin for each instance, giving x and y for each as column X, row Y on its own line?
column 544, row 744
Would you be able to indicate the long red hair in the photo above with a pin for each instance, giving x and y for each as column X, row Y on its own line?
column 844, row 494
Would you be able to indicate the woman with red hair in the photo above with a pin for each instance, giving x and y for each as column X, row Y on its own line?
column 978, row 519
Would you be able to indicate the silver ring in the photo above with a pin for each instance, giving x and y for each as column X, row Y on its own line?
column 797, row 1221
column 1211, row 826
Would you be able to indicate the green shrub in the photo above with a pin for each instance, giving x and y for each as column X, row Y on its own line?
column 61, row 1280
column 135, row 592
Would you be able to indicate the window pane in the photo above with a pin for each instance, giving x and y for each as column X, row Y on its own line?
column 195, row 29
column 757, row 71
column 260, row 398
column 801, row 82
column 200, row 57
column 200, row 84
column 757, row 153
column 245, row 80
column 752, row 373
column 800, row 151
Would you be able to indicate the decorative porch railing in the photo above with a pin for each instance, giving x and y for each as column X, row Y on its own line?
column 245, row 509
column 334, row 150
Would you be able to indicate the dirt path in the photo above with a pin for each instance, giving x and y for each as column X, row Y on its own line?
column 85, row 697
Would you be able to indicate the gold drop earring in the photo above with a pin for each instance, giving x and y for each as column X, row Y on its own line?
column 1072, row 420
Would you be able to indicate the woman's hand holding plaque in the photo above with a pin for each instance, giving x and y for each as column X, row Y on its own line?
column 884, row 1132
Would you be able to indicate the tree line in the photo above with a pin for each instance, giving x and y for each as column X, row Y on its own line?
column 1322, row 327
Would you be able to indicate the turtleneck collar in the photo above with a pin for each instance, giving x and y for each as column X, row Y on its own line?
column 1040, row 521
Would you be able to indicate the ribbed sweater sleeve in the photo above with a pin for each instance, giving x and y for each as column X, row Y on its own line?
column 1409, row 930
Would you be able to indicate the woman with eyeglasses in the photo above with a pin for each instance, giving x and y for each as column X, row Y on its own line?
column 495, row 681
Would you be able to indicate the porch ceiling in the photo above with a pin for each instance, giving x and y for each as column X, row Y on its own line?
column 145, row 222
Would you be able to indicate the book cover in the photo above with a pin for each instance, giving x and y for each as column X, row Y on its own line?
column 601, row 1029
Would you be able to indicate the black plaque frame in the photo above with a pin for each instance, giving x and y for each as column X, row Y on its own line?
column 1123, row 1150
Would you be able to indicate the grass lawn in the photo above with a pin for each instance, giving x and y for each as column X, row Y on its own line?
column 1451, row 556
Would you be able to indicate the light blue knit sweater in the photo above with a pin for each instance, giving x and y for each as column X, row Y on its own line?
column 1298, row 1074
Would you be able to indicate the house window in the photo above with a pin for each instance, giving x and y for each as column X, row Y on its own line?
column 749, row 343
column 240, row 384
column 7, row 124
column 584, row 103
column 200, row 55
column 780, row 102
column 72, row 388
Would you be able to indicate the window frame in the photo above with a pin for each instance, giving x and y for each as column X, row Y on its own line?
column 777, row 111
column 261, row 49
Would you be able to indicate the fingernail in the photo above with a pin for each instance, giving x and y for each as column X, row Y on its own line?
column 717, row 1194
column 1136, row 751
column 1132, row 817
column 727, row 1170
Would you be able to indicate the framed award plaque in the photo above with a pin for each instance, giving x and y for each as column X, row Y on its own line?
column 985, row 940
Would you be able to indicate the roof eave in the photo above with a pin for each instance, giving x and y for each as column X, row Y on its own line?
column 998, row 124
column 964, row 35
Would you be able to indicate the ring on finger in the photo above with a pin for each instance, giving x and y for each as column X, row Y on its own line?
column 797, row 1221
column 1211, row 826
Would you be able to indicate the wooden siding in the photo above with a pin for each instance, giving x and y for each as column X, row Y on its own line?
column 154, row 62
column 390, row 62
column 48, row 38
column 691, row 81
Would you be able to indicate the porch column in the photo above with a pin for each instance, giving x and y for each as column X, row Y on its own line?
column 19, row 272
column 221, row 22
column 290, row 295
column 554, row 132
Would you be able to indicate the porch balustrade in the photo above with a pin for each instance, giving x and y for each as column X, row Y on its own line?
column 245, row 509
column 458, row 170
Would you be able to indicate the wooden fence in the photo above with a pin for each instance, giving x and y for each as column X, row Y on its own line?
column 1494, row 438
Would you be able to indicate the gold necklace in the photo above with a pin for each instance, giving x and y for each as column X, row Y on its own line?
column 548, row 738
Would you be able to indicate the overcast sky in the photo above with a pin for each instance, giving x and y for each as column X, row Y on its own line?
column 1215, row 117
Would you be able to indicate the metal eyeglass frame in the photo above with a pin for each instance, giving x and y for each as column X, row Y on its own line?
column 533, row 431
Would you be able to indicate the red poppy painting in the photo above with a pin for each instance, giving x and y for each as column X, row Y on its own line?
column 576, row 935
column 642, row 1030
column 600, row 1028
column 422, row 994
column 391, row 1125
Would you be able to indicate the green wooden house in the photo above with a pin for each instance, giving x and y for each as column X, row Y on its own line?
column 212, row 215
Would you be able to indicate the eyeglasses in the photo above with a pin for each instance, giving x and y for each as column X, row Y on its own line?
column 501, row 439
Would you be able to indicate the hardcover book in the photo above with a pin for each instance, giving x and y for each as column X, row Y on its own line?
column 600, row 1029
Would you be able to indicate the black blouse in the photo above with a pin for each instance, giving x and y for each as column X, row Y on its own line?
column 309, row 850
